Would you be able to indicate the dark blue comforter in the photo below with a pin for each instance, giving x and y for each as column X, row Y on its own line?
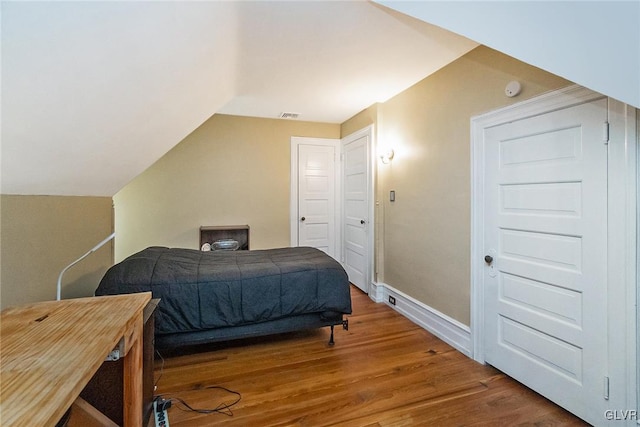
column 205, row 290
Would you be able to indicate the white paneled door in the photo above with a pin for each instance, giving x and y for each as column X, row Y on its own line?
column 356, row 210
column 545, row 274
column 317, row 197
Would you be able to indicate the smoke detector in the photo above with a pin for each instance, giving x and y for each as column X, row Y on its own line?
column 286, row 115
column 513, row 89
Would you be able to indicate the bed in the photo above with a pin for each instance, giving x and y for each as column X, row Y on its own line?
column 223, row 295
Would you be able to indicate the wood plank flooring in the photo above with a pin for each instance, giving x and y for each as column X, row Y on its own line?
column 384, row 371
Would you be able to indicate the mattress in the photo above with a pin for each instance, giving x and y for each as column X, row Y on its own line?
column 216, row 289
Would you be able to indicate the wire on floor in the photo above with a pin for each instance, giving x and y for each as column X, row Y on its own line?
column 166, row 399
column 223, row 408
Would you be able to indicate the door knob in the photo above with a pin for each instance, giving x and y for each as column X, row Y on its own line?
column 362, row 221
column 488, row 259
column 302, row 219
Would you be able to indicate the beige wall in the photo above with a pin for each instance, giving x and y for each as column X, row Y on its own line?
column 427, row 229
column 366, row 117
column 231, row 170
column 40, row 235
column 235, row 170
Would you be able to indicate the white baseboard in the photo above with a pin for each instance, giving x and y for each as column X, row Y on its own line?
column 376, row 291
column 444, row 327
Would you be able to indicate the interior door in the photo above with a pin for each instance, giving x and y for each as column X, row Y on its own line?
column 545, row 278
column 316, row 197
column 356, row 210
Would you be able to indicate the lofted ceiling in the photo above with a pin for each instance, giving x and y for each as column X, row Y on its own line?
column 595, row 43
column 94, row 92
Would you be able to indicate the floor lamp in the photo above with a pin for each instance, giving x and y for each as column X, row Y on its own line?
column 92, row 250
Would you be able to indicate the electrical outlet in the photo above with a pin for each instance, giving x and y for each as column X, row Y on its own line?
column 392, row 300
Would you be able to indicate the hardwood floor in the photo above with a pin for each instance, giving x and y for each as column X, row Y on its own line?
column 384, row 371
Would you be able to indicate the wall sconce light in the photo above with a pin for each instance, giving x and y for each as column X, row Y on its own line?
column 387, row 156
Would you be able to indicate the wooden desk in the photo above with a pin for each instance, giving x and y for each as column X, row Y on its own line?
column 50, row 350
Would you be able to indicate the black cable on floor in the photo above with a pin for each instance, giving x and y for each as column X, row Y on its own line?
column 166, row 398
column 223, row 408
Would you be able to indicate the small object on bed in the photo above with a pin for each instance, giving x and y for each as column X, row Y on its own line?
column 206, row 247
column 223, row 294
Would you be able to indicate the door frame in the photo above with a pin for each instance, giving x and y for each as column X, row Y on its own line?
column 296, row 141
column 371, row 229
column 622, row 233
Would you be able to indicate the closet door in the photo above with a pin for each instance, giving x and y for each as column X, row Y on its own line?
column 545, row 237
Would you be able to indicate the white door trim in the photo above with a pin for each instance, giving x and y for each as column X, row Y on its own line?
column 293, row 194
column 622, row 238
column 622, row 260
column 369, row 132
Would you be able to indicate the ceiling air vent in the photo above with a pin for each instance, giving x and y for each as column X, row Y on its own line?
column 289, row 115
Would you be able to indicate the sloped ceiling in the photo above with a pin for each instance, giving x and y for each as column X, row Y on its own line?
column 95, row 92
column 595, row 43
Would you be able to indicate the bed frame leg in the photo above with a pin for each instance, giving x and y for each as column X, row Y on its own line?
column 345, row 326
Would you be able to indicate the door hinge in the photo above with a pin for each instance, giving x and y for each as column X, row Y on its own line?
column 605, row 134
column 606, row 388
